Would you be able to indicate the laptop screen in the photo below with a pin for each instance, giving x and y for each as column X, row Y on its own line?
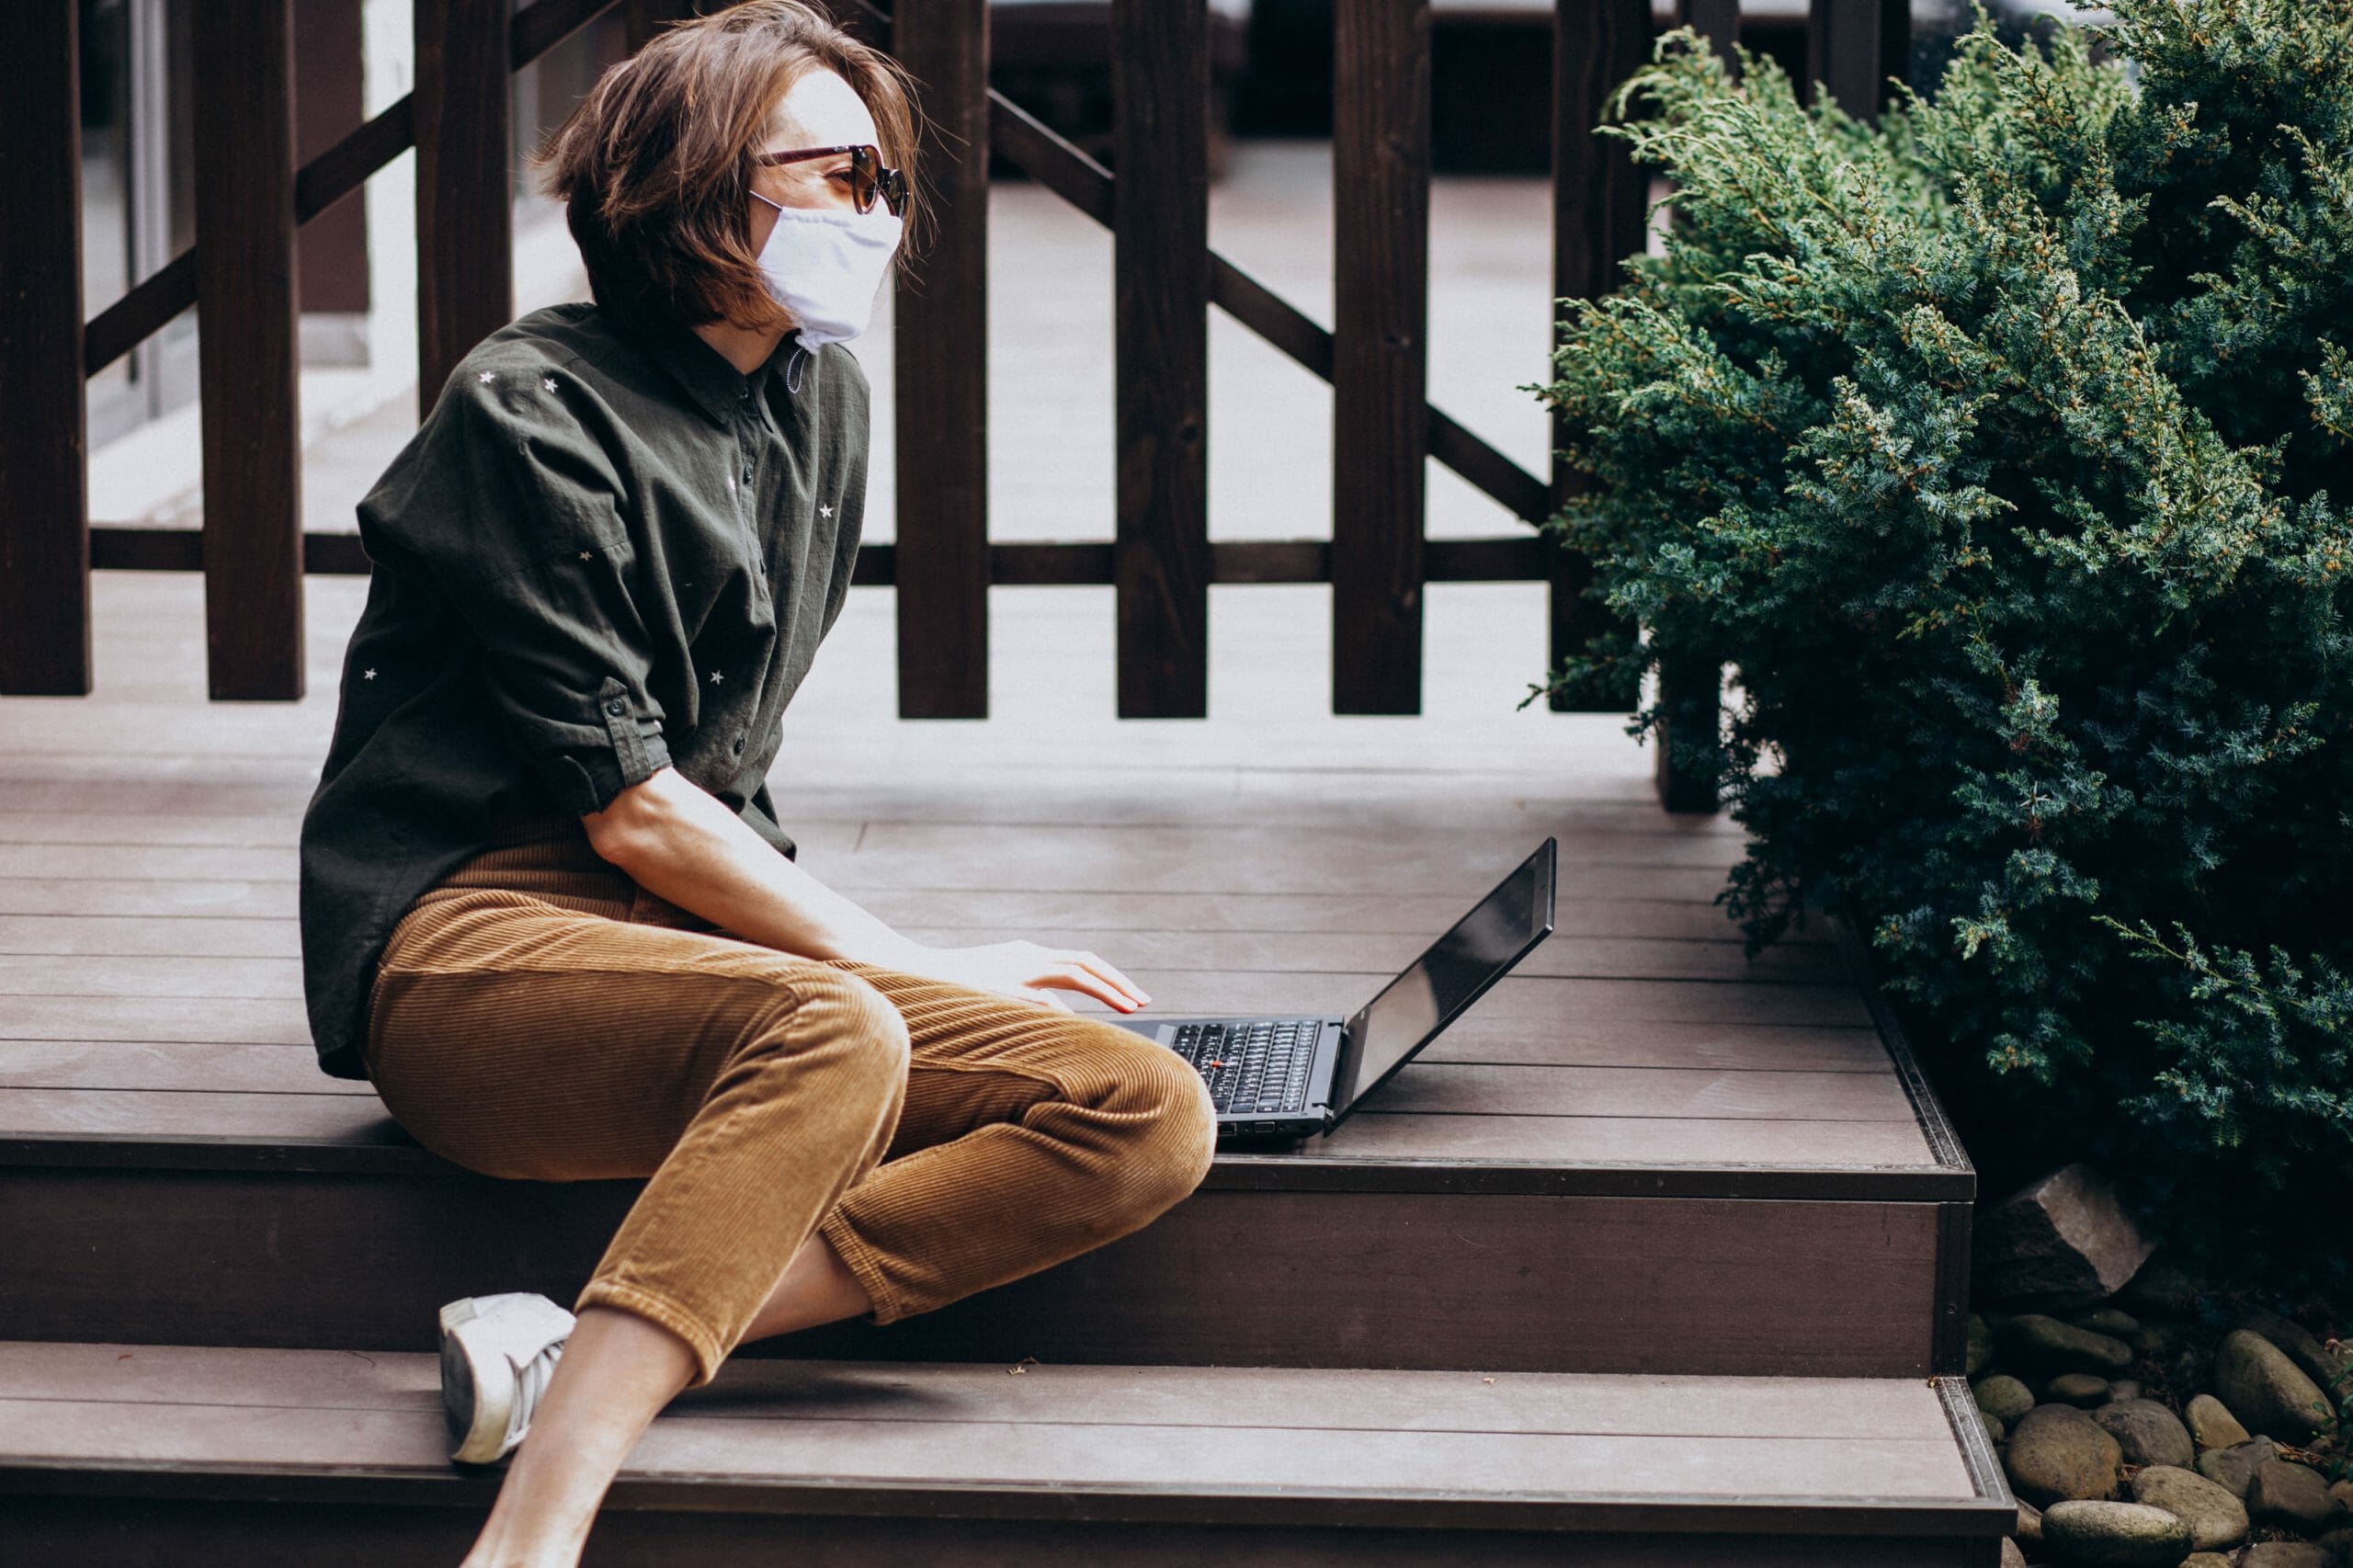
column 1439, row 985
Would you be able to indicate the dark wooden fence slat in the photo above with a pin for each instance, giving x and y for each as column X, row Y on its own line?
column 1381, row 180
column 463, row 122
column 1599, row 198
column 1852, row 47
column 539, row 27
column 941, row 351
column 646, row 18
column 1718, row 21
column 44, row 497
column 246, row 351
column 1160, row 227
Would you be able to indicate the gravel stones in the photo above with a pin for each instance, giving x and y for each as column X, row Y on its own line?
column 2283, row 1554
column 2327, row 1369
column 2205, row 1559
column 2147, row 1432
column 2004, row 1397
column 2213, row 1424
column 2289, row 1495
column 2082, row 1389
column 2046, row 1345
column 2125, row 1535
column 2216, row 1519
column 2064, row 1240
column 2232, row 1469
column 2011, row 1556
column 2057, row 1453
column 2114, row 1321
column 2265, row 1389
column 1980, row 1347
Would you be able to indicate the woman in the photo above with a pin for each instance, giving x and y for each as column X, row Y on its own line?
column 547, row 908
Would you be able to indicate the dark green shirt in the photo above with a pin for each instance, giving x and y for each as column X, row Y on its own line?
column 603, row 552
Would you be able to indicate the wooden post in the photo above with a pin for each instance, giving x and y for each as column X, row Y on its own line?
column 1599, row 201
column 644, row 18
column 1160, row 72
column 1380, row 198
column 44, row 496
column 465, row 230
column 1852, row 47
column 1718, row 21
column 247, row 359
column 942, row 365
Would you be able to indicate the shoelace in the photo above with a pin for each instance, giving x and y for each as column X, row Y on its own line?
column 530, row 1381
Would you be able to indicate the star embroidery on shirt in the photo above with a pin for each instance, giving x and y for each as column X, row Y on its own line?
column 548, row 382
column 368, row 675
column 588, row 555
column 486, row 378
column 824, row 511
column 716, row 677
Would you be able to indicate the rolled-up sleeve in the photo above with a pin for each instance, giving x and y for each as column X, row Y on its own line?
column 514, row 511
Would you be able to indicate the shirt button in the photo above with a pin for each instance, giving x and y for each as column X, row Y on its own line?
column 617, row 708
column 747, row 473
column 739, row 746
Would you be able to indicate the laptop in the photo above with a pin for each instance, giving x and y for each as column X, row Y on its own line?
column 1293, row 1077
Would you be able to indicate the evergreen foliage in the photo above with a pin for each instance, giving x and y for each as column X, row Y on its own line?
column 2004, row 452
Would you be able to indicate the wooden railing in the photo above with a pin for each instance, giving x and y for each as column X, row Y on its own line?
column 251, row 200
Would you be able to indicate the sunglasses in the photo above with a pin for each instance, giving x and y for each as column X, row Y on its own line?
column 867, row 176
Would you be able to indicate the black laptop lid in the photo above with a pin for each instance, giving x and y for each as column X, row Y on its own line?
column 1412, row 1009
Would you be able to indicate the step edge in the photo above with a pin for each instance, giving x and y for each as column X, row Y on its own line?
column 721, row 1492
column 1231, row 1173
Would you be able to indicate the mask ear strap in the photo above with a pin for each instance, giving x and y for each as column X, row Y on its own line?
column 792, row 370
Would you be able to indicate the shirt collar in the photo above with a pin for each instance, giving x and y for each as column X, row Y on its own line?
column 715, row 385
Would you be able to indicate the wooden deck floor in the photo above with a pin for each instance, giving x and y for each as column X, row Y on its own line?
column 1270, row 855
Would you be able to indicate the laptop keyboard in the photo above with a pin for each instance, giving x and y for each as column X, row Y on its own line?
column 1252, row 1069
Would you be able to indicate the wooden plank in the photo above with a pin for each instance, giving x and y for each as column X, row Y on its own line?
column 1234, row 1275
column 941, row 342
column 1160, row 226
column 328, row 47
column 1381, row 174
column 1269, row 1398
column 1718, row 21
column 463, row 122
column 44, row 491
column 1597, row 201
column 1853, row 47
column 269, row 1530
column 249, row 352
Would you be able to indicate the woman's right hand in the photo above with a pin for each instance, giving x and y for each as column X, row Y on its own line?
column 1028, row 971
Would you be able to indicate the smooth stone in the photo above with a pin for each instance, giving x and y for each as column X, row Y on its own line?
column 2082, row 1389
column 2232, row 1469
column 2114, row 1321
column 2004, row 1396
column 2057, row 1453
column 2343, row 1492
column 2064, row 1240
column 2213, row 1424
column 2044, row 1344
column 2216, row 1519
column 2123, row 1389
column 2266, row 1390
column 2283, row 1554
column 2327, row 1369
column 2289, row 1495
column 2339, row 1541
column 2205, row 1559
column 2123, row 1535
column 2160, row 1288
column 1995, row 1430
column 2011, row 1556
column 2148, row 1433
column 2029, row 1522
column 1980, row 1347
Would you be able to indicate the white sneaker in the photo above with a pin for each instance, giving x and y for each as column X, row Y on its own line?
column 496, row 1355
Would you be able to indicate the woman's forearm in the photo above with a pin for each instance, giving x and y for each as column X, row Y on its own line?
column 683, row 844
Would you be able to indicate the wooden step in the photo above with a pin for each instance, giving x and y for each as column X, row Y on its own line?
column 1556, row 1215
column 154, row 1454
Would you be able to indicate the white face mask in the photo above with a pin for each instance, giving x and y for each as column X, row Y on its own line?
column 825, row 264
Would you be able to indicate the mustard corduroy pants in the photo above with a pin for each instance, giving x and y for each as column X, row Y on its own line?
column 537, row 1015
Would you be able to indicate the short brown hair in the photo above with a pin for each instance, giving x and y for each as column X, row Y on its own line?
column 654, row 166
